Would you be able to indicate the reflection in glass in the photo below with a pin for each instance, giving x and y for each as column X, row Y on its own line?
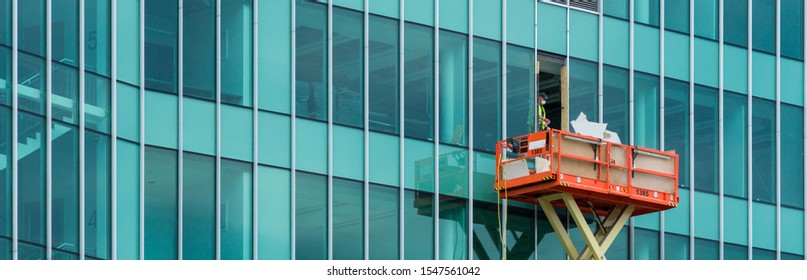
column 676, row 125
column 676, row 247
column 31, row 80
column 348, row 219
column 161, row 45
column 96, row 36
column 453, row 228
column 311, row 56
column 419, row 225
column 199, row 49
column 64, row 31
column 97, row 187
column 31, row 26
column 646, row 11
column 487, row 94
column 64, row 100
column 96, row 102
column 453, row 88
column 198, row 207
column 348, row 67
column 311, row 217
column 737, row 14
column 384, row 221
column 419, row 85
column 764, row 150
column 31, row 179
column 520, row 90
column 792, row 156
column 65, row 191
column 705, row 145
column 736, row 140
column 615, row 101
column 646, row 110
column 236, row 52
column 236, row 210
column 582, row 89
column 160, row 204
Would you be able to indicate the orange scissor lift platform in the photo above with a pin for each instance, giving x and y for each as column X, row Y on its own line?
column 584, row 174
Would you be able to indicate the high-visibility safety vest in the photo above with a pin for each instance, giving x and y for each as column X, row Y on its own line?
column 541, row 117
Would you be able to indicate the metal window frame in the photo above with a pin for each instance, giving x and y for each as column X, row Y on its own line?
column 749, row 131
column 180, row 126
column 48, row 133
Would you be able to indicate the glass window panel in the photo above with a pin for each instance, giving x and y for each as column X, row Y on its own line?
column 96, row 102
column 160, row 204
column 616, row 8
column 550, row 38
column 484, row 177
column 792, row 28
column 5, row 182
column 419, row 229
column 735, row 220
column 312, row 146
column 31, row 74
column 706, row 249
column 311, row 60
column 64, row 97
column 65, row 191
column 707, row 16
column 583, row 32
column 676, row 56
column 487, row 101
column 5, row 23
column 31, row 179
column 764, row 225
column 734, row 252
column 520, row 90
column 198, row 207
column 419, row 168
column 735, row 69
column 384, row 76
column 199, row 49
column 128, row 201
column 128, row 110
column 348, row 220
column 31, row 26
column 274, row 138
column 488, row 19
column 96, row 36
column 619, row 248
column 616, row 34
column 787, row 256
column 388, row 8
column 236, row 140
column 647, row 11
column 453, row 228
column 453, row 171
column 487, row 239
column 384, row 155
column 735, row 140
column 453, row 88
column 764, row 15
column 737, row 15
column 615, row 101
column 549, row 245
column 420, row 11
column 348, row 67
column 454, row 15
column 348, row 152
column 647, row 245
column 236, row 210
column 646, row 58
column 764, row 150
column 353, row 4
column 128, row 40
column 792, row 156
column 792, row 81
column 646, row 110
column 274, row 212
column 161, row 45
column 419, row 84
column 706, row 62
column 236, row 52
column 762, row 254
column 676, row 125
column 792, row 230
column 764, row 75
column 676, row 15
column 161, row 119
column 97, row 192
column 5, row 75
column 582, row 89
column 311, row 212
column 29, row 251
column 64, row 31
column 274, row 56
column 706, row 143
column 520, row 234
column 384, row 222
column 520, row 18
column 199, row 126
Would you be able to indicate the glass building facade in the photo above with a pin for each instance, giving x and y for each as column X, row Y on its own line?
column 359, row 129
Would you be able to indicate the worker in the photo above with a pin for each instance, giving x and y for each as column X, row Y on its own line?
column 543, row 121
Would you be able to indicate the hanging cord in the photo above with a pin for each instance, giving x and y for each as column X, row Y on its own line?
column 502, row 225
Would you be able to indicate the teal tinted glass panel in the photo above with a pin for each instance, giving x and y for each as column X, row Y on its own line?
column 735, row 121
column 583, row 35
column 274, row 136
column 128, row 40
column 5, row 75
column 419, row 82
column 521, row 22
column 615, row 101
column 419, row 229
column 5, row 179
column 161, row 45
column 199, row 49
column 735, row 252
column 453, row 228
column 96, row 102
column 199, row 126
column 792, row 231
column 64, row 31
column 676, row 15
column 487, row 100
column 97, row 193
column 274, row 213
column 706, row 154
column 737, row 15
column 676, row 247
column 236, row 210
column 420, row 11
column 274, row 56
column 788, row 256
column 646, row 94
column 348, row 219
column 619, row 249
column 792, row 81
column 65, row 190
column 64, row 92
column 384, row 223
column 488, row 19
column 348, row 152
column 97, row 36
column 615, row 41
column 792, row 28
column 454, row 15
column 616, row 8
column 583, row 89
column 520, row 90
column 762, row 254
column 649, row 221
column 706, row 222
column 31, row 179
column 31, row 77
column 419, row 168
column 384, row 155
column 676, row 220
column 161, row 119
column 550, row 38
column 647, row 244
column 520, row 234
column 676, row 56
column 348, row 67
column 646, row 58
column 763, row 142
column 764, row 25
column 31, row 23
column 486, row 231
column 676, row 125
column 549, row 246
column 353, row 4
column 128, row 110
column 706, row 249
column 706, row 57
column 198, row 207
column 127, row 201
column 453, row 171
column 312, row 146
column 311, row 216
column 764, row 74
column 236, row 52
column 735, row 220
column 453, row 88
column 311, row 60
column 792, row 155
column 764, row 218
column 735, row 69
column 160, row 204
column 707, row 17
column 236, row 132
column 5, row 24
column 384, row 74
column 647, row 11
column 484, row 177
column 387, row 8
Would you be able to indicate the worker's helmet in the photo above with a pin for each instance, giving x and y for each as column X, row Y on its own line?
column 543, row 95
